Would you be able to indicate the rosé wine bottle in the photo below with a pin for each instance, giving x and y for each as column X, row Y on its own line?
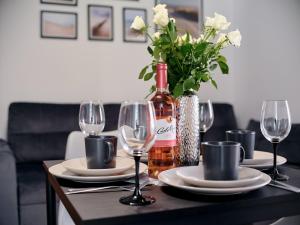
column 161, row 155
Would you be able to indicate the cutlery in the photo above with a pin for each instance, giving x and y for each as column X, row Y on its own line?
column 284, row 186
column 122, row 188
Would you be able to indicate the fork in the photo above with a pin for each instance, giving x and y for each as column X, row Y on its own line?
column 122, row 188
column 288, row 187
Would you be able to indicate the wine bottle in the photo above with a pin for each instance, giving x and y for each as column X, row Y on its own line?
column 161, row 155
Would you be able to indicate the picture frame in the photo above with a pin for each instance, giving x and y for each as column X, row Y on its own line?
column 60, row 2
column 189, row 15
column 128, row 16
column 100, row 22
column 58, row 24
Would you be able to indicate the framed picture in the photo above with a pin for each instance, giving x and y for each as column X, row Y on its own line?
column 128, row 16
column 60, row 2
column 62, row 25
column 100, row 22
column 188, row 15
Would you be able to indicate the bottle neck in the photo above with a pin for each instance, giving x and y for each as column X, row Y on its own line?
column 160, row 89
column 161, row 77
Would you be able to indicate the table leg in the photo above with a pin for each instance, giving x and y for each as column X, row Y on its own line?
column 51, row 204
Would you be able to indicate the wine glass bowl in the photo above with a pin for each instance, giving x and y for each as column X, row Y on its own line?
column 206, row 115
column 137, row 135
column 91, row 118
column 275, row 125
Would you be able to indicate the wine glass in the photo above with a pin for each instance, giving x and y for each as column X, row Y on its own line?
column 91, row 118
column 275, row 125
column 206, row 116
column 137, row 135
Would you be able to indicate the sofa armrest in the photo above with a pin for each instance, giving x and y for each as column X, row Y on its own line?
column 8, row 187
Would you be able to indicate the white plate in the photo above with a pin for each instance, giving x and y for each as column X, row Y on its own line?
column 79, row 166
column 194, row 175
column 169, row 177
column 263, row 160
column 60, row 171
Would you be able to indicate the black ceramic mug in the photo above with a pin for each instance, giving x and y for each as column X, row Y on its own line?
column 101, row 152
column 221, row 159
column 246, row 138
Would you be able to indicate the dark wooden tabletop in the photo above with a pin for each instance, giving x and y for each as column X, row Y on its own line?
column 174, row 206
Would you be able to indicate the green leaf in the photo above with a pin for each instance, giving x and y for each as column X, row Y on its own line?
column 188, row 84
column 214, row 83
column 201, row 47
column 143, row 71
column 224, row 67
column 213, row 66
column 222, row 59
column 150, row 50
column 205, row 77
column 178, row 90
column 148, row 76
column 156, row 53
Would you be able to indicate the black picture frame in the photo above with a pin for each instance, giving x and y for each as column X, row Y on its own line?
column 90, row 35
column 42, row 32
column 200, row 13
column 60, row 2
column 132, row 39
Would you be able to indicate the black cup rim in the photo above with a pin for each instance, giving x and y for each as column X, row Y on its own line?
column 221, row 143
column 103, row 137
column 240, row 131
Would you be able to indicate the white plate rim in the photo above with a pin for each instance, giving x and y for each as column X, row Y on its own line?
column 127, row 175
column 97, row 172
column 280, row 161
column 218, row 183
column 214, row 191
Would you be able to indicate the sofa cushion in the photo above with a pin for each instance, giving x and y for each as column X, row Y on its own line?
column 31, row 183
column 289, row 147
column 39, row 131
column 34, row 214
column 224, row 119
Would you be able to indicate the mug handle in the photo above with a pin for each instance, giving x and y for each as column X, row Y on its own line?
column 110, row 152
column 242, row 154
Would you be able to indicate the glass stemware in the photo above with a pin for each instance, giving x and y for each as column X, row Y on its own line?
column 275, row 125
column 137, row 135
column 91, row 118
column 206, row 115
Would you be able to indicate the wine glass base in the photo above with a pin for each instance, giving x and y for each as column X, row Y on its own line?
column 138, row 200
column 275, row 175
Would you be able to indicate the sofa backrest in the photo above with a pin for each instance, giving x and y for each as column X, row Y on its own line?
column 289, row 147
column 39, row 131
column 224, row 119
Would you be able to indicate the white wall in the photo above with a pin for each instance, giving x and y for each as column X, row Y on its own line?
column 47, row 70
column 267, row 64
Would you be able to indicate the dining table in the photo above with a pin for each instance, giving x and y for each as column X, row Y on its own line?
column 173, row 206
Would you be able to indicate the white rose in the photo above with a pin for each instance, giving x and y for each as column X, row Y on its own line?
column 160, row 7
column 235, row 38
column 219, row 22
column 223, row 39
column 161, row 18
column 173, row 20
column 156, row 36
column 138, row 23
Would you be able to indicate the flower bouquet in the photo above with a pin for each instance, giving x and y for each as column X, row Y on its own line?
column 190, row 60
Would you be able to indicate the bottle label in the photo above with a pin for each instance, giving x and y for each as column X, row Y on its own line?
column 165, row 132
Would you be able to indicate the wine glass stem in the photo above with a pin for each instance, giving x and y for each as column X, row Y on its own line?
column 137, row 191
column 201, row 136
column 275, row 144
